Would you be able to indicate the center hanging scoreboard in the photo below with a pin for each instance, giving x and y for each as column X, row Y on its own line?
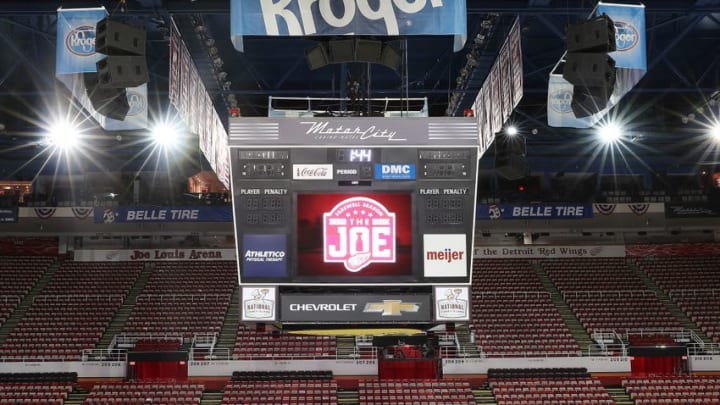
column 354, row 200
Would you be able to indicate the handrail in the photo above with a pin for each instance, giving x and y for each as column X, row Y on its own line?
column 104, row 355
column 7, row 298
column 88, row 297
column 695, row 349
column 129, row 339
column 224, row 354
column 610, row 293
column 162, row 297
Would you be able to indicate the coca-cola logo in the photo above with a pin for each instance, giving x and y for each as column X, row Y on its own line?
column 313, row 172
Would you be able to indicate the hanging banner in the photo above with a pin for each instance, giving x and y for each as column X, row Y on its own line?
column 533, row 211
column 630, row 67
column 75, row 56
column 347, row 17
column 118, row 215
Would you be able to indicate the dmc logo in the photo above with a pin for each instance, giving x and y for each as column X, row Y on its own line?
column 81, row 40
column 396, row 169
column 561, row 101
column 626, row 36
column 446, row 255
column 358, row 231
column 136, row 101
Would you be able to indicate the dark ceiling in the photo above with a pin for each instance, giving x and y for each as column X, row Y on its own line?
column 683, row 74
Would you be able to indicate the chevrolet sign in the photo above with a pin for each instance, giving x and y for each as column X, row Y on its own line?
column 341, row 308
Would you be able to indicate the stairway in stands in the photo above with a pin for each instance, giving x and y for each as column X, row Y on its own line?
column 118, row 322
column 484, row 395
column 674, row 309
column 76, row 397
column 463, row 335
column 211, row 398
column 620, row 396
column 228, row 333
column 345, row 346
column 577, row 330
column 19, row 312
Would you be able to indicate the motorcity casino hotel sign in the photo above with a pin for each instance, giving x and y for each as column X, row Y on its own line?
column 348, row 17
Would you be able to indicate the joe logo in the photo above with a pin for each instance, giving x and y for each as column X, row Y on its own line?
column 626, row 36
column 136, row 101
column 561, row 101
column 81, row 40
column 359, row 231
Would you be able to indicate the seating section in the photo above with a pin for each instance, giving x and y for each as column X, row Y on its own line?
column 606, row 294
column 35, row 393
column 156, row 345
column 184, row 297
column 18, row 274
column 143, row 393
column 674, row 390
column 281, row 392
column 411, row 392
column 251, row 344
column 552, row 391
column 693, row 283
column 512, row 312
column 60, row 327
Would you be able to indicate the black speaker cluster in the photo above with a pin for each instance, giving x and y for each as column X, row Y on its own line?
column 350, row 50
column 588, row 65
column 510, row 162
column 123, row 66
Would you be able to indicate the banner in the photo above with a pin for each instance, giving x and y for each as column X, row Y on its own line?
column 533, row 211
column 117, row 215
column 259, row 304
column 348, row 17
column 540, row 252
column 678, row 249
column 452, row 304
column 8, row 214
column 79, row 213
column 28, row 246
column 630, row 67
column 75, row 56
column 638, row 209
column 355, row 308
column 128, row 255
column 692, row 210
column 502, row 90
column 194, row 105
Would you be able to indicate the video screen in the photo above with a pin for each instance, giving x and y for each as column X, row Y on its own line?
column 354, row 236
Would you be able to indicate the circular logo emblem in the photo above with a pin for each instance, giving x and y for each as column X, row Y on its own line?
column 561, row 101
column 626, row 36
column 136, row 102
column 81, row 40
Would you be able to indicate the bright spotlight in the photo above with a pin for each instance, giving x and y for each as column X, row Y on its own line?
column 715, row 132
column 165, row 134
column 511, row 130
column 63, row 135
column 610, row 133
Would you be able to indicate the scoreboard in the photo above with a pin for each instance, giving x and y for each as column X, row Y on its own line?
column 353, row 202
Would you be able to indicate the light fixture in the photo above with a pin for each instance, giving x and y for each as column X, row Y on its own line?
column 63, row 135
column 165, row 134
column 511, row 130
column 610, row 133
column 715, row 131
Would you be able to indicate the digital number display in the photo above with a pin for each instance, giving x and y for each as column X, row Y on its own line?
column 355, row 155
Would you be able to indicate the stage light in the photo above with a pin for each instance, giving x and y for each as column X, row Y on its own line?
column 610, row 133
column 165, row 134
column 63, row 135
column 511, row 130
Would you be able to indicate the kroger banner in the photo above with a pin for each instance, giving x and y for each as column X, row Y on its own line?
column 533, row 211
column 75, row 56
column 347, row 17
column 162, row 214
column 630, row 67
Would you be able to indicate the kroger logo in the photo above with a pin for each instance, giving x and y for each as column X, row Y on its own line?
column 136, row 102
column 561, row 101
column 81, row 40
column 626, row 36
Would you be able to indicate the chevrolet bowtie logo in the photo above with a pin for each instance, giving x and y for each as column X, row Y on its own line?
column 391, row 307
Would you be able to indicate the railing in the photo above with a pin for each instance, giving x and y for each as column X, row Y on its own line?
column 10, row 299
column 127, row 341
column 201, row 353
column 363, row 341
column 610, row 293
column 224, row 354
column 104, row 355
column 324, row 106
column 694, row 292
column 613, row 349
column 113, row 298
column 222, row 298
column 204, row 340
column 514, row 294
column 531, row 354
column 679, row 335
column 706, row 349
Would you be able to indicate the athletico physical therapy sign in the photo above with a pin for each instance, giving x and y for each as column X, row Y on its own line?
column 347, row 17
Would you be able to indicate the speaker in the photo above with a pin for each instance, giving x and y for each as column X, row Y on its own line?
column 115, row 38
column 368, row 50
column 317, row 56
column 510, row 145
column 391, row 57
column 511, row 167
column 587, row 101
column 342, row 51
column 594, row 35
column 110, row 102
column 590, row 69
column 122, row 71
